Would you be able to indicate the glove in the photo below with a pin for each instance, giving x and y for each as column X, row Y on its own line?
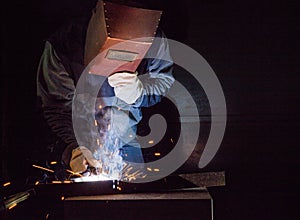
column 81, row 158
column 127, row 86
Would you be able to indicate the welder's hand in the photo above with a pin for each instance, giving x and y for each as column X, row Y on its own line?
column 81, row 158
column 127, row 86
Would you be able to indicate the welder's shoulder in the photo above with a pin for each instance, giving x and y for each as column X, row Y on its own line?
column 69, row 38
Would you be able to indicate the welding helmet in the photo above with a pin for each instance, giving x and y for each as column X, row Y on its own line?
column 119, row 36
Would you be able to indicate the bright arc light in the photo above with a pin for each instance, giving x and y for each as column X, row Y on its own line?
column 91, row 178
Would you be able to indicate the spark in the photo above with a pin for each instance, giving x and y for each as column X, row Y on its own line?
column 151, row 142
column 56, row 182
column 67, row 181
column 76, row 174
column 100, row 106
column 171, row 140
column 96, row 123
column 134, row 175
column 149, row 169
column 62, row 198
column 156, row 170
column 37, row 183
column 157, row 154
column 125, row 165
column 12, row 206
column 129, row 169
column 53, row 162
column 6, row 184
column 42, row 168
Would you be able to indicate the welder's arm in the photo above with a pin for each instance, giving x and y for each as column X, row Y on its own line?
column 56, row 89
column 159, row 78
column 147, row 89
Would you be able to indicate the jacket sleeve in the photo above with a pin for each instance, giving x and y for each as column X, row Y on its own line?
column 56, row 89
column 159, row 76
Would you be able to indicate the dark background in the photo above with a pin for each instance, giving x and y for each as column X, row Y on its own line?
column 251, row 45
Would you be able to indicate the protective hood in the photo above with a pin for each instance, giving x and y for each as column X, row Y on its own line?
column 119, row 36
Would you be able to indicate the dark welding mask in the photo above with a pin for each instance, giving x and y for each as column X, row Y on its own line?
column 119, row 36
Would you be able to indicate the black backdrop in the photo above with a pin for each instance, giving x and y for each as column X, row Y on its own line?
column 251, row 45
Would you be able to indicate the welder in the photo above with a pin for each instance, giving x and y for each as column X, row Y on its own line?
column 62, row 63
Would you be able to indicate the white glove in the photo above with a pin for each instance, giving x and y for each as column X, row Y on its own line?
column 81, row 158
column 127, row 86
